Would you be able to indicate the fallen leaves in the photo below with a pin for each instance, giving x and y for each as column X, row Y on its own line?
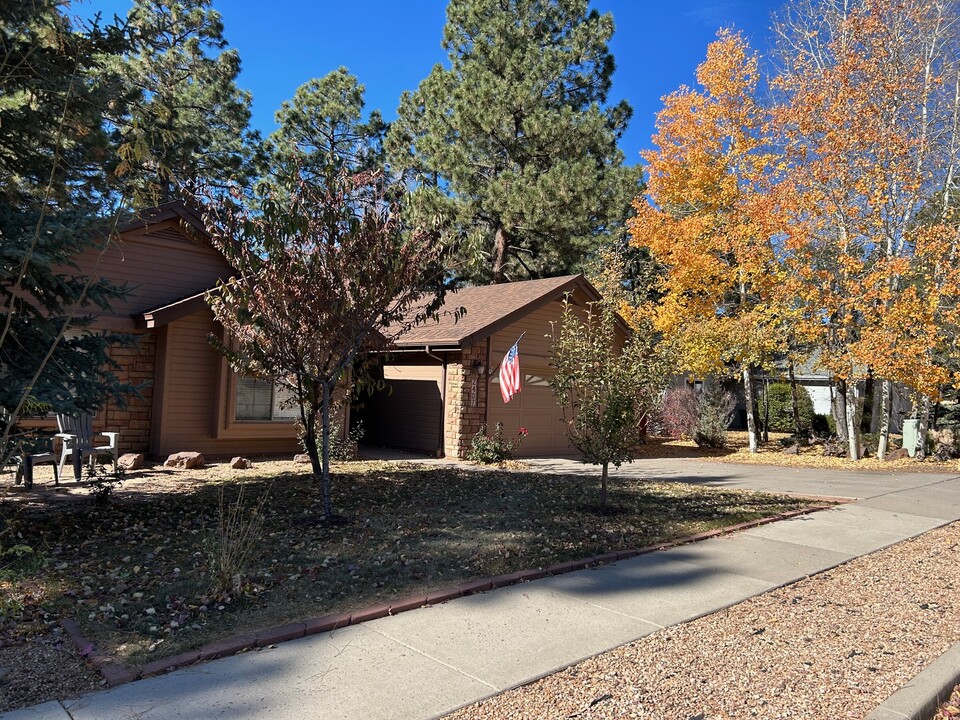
column 135, row 576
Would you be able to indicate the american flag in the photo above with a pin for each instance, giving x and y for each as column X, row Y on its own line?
column 510, row 374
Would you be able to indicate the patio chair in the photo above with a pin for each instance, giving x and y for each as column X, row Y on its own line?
column 27, row 460
column 77, row 436
column 32, row 452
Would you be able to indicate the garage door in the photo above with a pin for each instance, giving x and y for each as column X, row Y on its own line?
column 535, row 409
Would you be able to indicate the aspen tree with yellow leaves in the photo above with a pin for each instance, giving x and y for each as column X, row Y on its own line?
column 868, row 122
column 709, row 219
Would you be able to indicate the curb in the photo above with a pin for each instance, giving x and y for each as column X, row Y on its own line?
column 118, row 674
column 920, row 698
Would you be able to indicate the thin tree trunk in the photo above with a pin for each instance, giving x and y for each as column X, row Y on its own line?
column 922, row 430
column 876, row 405
column 766, row 409
column 884, row 426
column 603, row 487
column 501, row 242
column 794, row 402
column 325, row 430
column 853, row 426
column 749, row 399
column 838, row 405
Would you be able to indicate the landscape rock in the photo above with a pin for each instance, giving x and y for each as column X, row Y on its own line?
column 241, row 463
column 185, row 460
column 897, row 454
column 130, row 461
column 792, row 449
column 946, row 436
column 833, row 448
column 302, row 459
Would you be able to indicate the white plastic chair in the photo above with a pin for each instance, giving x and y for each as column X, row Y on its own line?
column 77, row 436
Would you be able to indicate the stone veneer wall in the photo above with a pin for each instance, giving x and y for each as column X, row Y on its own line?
column 137, row 366
column 466, row 408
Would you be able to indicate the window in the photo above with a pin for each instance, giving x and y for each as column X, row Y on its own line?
column 262, row 400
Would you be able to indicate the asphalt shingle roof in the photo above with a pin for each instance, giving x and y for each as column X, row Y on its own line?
column 488, row 309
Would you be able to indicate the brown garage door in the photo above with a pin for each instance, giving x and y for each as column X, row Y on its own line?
column 535, row 409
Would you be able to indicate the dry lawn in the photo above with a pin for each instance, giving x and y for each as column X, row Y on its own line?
column 136, row 573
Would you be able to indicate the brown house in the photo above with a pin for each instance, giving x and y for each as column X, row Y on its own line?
column 443, row 380
column 442, row 375
column 191, row 399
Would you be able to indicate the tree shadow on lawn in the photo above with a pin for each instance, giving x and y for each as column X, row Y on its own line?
column 135, row 573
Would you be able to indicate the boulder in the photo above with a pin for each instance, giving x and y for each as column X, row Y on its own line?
column 302, row 459
column 130, row 461
column 792, row 450
column 898, row 454
column 185, row 460
column 241, row 463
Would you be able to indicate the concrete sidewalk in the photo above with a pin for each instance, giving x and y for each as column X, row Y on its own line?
column 427, row 662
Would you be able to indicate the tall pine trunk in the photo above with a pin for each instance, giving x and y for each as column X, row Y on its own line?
column 501, row 242
column 884, row 424
column 749, row 398
column 876, row 405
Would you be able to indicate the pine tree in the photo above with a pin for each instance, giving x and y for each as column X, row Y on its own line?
column 187, row 120
column 514, row 144
column 322, row 131
column 54, row 175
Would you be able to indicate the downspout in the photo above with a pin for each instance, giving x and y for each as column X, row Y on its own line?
column 443, row 400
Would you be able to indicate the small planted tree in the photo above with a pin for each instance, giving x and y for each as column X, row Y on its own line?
column 324, row 272
column 606, row 395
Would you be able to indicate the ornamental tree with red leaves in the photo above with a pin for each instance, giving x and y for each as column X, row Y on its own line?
column 324, row 273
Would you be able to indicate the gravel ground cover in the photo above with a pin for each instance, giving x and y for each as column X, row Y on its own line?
column 834, row 645
column 136, row 574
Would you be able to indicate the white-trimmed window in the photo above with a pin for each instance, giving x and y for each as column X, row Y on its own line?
column 263, row 401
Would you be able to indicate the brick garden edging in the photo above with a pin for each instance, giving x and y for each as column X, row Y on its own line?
column 117, row 674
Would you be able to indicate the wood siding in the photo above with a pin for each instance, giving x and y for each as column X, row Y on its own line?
column 159, row 264
column 188, row 411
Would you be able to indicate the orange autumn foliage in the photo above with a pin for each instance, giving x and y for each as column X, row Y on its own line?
column 709, row 219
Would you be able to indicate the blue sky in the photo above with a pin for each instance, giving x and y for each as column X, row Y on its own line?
column 390, row 45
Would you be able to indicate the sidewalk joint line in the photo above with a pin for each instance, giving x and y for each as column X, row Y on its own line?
column 436, row 660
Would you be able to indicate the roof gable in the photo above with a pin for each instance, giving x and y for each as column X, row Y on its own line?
column 488, row 309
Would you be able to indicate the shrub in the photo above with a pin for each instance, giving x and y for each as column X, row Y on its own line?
column 234, row 541
column 344, row 448
column 715, row 409
column 679, row 414
column 489, row 450
column 870, row 442
column 824, row 424
column 781, row 408
column 103, row 482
